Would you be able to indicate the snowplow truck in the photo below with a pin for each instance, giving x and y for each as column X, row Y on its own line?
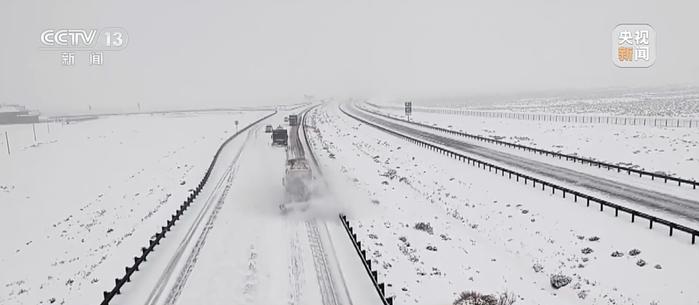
column 297, row 184
column 280, row 137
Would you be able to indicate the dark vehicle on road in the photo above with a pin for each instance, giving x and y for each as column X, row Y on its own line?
column 268, row 128
column 280, row 136
column 293, row 120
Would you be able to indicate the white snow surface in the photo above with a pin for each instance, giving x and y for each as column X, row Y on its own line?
column 673, row 151
column 489, row 233
column 78, row 203
column 234, row 245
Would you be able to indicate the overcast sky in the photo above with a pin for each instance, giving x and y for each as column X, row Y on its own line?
column 225, row 53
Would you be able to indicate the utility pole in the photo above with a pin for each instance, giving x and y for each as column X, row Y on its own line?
column 34, row 130
column 7, row 141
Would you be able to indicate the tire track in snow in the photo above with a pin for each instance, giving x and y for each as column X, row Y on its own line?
column 296, row 279
column 250, row 288
column 161, row 285
column 320, row 262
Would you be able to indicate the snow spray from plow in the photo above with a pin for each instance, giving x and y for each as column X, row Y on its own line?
column 366, row 261
column 554, row 187
column 138, row 260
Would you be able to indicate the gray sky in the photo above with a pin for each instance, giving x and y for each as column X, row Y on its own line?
column 225, row 53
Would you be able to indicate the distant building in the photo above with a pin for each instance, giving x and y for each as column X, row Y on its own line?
column 16, row 114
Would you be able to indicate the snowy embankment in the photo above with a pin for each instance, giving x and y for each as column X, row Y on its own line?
column 80, row 202
column 438, row 227
column 672, row 151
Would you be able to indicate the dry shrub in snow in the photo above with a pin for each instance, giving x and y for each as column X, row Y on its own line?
column 537, row 268
column 634, row 252
column 422, row 226
column 560, row 280
column 390, row 173
column 476, row 298
column 617, row 254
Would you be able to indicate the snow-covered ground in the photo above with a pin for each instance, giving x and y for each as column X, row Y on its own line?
column 258, row 255
column 674, row 151
column 682, row 102
column 667, row 103
column 78, row 203
column 488, row 234
column 235, row 246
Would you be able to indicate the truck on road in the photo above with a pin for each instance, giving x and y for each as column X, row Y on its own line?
column 293, row 120
column 297, row 184
column 280, row 137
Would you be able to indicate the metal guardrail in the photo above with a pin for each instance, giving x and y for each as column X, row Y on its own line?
column 590, row 161
column 565, row 118
column 138, row 260
column 366, row 261
column 563, row 190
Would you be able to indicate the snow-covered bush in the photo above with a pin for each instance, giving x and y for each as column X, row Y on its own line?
column 634, row 252
column 422, row 226
column 617, row 254
column 477, row 298
column 390, row 173
column 560, row 280
column 537, row 268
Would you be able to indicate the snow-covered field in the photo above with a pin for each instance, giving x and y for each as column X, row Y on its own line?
column 673, row 151
column 235, row 245
column 79, row 202
column 663, row 103
column 677, row 102
column 483, row 233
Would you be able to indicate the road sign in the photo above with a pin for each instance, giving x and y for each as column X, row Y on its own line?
column 408, row 109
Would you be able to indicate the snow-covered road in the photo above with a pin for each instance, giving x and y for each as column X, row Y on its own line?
column 682, row 204
column 240, row 248
column 78, row 203
column 438, row 227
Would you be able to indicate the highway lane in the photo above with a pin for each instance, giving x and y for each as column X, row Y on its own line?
column 681, row 207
